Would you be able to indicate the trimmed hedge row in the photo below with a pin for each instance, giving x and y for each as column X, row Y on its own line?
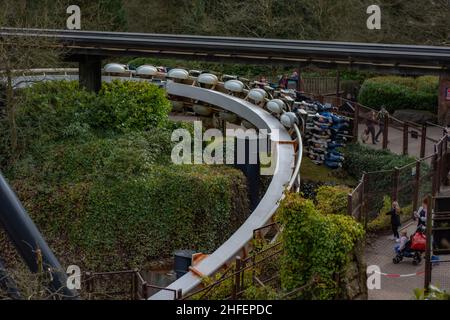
column 360, row 159
column 400, row 93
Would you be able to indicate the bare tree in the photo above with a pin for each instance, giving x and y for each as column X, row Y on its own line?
column 19, row 54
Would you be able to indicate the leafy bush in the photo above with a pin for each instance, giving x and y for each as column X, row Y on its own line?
column 315, row 245
column 113, row 203
column 96, row 177
column 129, row 105
column 51, row 111
column 400, row 93
column 332, row 199
column 383, row 222
column 360, row 159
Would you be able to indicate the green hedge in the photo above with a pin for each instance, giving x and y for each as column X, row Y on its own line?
column 315, row 245
column 360, row 158
column 95, row 175
column 332, row 199
column 51, row 111
column 400, row 93
column 108, row 223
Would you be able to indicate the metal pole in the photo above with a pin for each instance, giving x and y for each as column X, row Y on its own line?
column 350, row 204
column 417, row 186
column 423, row 141
column 428, row 265
column 405, row 138
column 386, row 132
column 435, row 175
column 395, row 184
column 356, row 122
column 27, row 239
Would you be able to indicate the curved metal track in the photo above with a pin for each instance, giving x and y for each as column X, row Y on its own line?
column 284, row 157
column 286, row 172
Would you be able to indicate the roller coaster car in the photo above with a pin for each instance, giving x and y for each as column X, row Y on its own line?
column 116, row 69
column 207, row 80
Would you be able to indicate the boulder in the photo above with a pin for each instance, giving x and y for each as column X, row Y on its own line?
column 416, row 116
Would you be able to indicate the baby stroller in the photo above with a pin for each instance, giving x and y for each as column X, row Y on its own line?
column 413, row 248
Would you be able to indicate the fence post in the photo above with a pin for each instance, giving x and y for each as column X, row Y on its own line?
column 445, row 163
column 423, row 141
column 395, row 184
column 428, row 266
column 385, row 131
column 417, row 187
column 236, row 288
column 435, row 175
column 88, row 282
column 134, row 286
column 441, row 165
column 338, row 87
column 364, row 212
column 356, row 122
column 145, row 290
column 405, row 138
column 350, row 204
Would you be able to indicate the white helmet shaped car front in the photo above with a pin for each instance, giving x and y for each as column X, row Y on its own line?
column 115, row 68
column 208, row 79
column 146, row 70
column 288, row 119
column 235, row 86
column 178, row 74
column 257, row 95
column 276, row 106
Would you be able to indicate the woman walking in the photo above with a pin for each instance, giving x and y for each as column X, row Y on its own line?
column 371, row 121
column 395, row 219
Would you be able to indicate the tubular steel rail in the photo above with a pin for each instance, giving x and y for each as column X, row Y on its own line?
column 363, row 55
column 287, row 156
column 284, row 155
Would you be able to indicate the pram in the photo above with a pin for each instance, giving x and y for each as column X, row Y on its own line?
column 413, row 248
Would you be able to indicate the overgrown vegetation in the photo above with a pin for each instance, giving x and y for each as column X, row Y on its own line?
column 360, row 159
column 400, row 93
column 383, row 221
column 316, row 246
column 94, row 173
column 333, row 199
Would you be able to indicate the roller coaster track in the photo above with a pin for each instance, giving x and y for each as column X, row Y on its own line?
column 365, row 55
column 286, row 157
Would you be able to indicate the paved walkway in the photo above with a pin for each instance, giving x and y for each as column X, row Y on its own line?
column 398, row 281
column 395, row 142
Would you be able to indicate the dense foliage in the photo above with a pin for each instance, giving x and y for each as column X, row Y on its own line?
column 332, row 199
column 360, row 159
column 383, row 221
column 315, row 246
column 95, row 175
column 400, row 93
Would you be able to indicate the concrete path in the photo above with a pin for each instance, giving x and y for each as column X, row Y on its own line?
column 398, row 281
column 395, row 142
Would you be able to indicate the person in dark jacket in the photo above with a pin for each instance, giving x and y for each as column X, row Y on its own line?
column 421, row 214
column 371, row 121
column 395, row 219
column 382, row 114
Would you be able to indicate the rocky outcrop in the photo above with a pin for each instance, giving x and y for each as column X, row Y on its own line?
column 353, row 284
